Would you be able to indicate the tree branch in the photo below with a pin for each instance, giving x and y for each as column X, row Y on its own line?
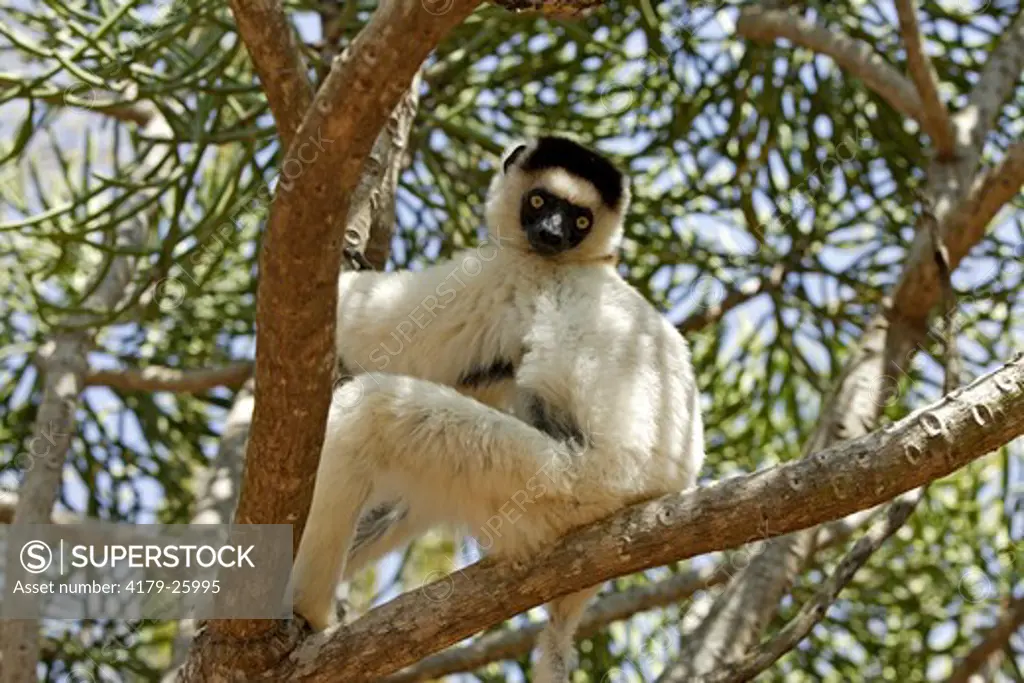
column 743, row 609
column 156, row 378
column 927, row 444
column 964, row 202
column 297, row 296
column 86, row 99
column 373, row 207
column 991, row 191
column 965, row 222
column 813, row 611
column 216, row 490
column 62, row 362
column 217, row 485
column 1011, row 619
column 371, row 216
column 510, row 644
column 274, row 49
column 854, row 56
column 300, row 257
column 747, row 604
column 996, row 83
column 935, row 119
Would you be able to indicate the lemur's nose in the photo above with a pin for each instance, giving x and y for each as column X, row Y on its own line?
column 550, row 237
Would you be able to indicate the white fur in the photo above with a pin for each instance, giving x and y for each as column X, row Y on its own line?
column 581, row 339
column 564, row 184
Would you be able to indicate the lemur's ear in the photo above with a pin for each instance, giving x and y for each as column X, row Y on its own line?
column 511, row 157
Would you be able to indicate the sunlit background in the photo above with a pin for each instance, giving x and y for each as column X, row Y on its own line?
column 774, row 201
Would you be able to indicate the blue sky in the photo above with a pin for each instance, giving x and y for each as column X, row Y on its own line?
column 727, row 237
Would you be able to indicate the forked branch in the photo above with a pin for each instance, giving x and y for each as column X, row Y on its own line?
column 274, row 49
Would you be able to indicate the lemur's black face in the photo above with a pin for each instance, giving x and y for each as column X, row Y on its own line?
column 552, row 224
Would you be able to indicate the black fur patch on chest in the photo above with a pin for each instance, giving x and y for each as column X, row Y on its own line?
column 482, row 375
column 557, row 423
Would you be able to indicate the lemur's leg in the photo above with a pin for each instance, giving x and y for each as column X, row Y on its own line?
column 452, row 458
column 557, row 648
column 325, row 541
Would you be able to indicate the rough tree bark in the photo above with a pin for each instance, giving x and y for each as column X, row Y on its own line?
column 367, row 230
column 507, row 644
column 965, row 201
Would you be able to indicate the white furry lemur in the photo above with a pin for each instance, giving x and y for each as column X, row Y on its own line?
column 517, row 391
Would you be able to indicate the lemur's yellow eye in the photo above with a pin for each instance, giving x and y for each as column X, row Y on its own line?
column 582, row 222
column 536, row 201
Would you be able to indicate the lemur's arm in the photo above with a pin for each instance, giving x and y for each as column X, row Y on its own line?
column 446, row 323
column 372, row 307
